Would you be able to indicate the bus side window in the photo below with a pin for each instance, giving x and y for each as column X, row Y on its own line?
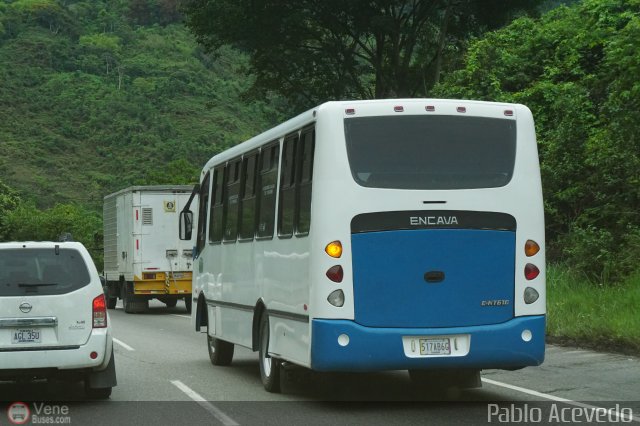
column 203, row 203
column 232, row 201
column 267, row 190
column 287, row 202
column 217, row 209
column 304, row 173
column 248, row 194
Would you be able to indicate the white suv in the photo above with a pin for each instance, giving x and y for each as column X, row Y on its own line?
column 53, row 316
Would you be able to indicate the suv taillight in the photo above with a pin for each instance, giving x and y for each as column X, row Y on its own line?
column 99, row 312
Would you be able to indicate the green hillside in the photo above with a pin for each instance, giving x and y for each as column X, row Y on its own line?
column 96, row 96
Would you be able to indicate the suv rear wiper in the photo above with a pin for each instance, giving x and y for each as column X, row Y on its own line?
column 36, row 284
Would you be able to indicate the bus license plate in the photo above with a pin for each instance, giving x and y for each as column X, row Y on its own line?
column 26, row 335
column 435, row 347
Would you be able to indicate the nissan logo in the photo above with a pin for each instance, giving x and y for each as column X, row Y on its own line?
column 25, row 307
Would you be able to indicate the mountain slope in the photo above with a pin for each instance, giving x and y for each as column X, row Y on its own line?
column 92, row 102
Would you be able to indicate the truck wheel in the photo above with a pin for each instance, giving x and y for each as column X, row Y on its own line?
column 220, row 352
column 269, row 366
column 171, row 303
column 187, row 303
column 131, row 304
column 112, row 302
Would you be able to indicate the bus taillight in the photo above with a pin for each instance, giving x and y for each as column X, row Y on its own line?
column 336, row 298
column 334, row 249
column 531, row 271
column 530, row 295
column 531, row 248
column 335, row 274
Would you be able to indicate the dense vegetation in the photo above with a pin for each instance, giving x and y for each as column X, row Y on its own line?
column 577, row 69
column 99, row 95
column 311, row 51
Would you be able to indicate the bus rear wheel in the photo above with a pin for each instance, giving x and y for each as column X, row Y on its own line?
column 269, row 366
column 220, row 352
column 458, row 379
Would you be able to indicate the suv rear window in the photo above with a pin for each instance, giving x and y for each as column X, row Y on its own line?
column 31, row 271
column 431, row 152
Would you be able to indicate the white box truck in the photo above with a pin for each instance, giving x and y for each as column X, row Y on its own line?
column 143, row 257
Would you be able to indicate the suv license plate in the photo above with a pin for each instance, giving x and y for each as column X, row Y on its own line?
column 435, row 346
column 26, row 335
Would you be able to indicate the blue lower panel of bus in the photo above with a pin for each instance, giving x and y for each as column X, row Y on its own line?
column 433, row 277
column 374, row 349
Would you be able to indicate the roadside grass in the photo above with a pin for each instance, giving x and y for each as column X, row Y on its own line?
column 583, row 313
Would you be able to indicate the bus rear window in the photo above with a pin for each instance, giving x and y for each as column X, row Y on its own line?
column 431, row 152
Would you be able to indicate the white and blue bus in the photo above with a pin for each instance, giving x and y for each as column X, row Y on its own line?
column 402, row 234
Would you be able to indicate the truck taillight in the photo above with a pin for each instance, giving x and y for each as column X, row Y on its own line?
column 99, row 312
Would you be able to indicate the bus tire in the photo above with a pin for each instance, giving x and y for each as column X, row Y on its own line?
column 458, row 379
column 220, row 352
column 269, row 366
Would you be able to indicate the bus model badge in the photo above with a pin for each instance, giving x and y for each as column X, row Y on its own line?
column 433, row 220
column 498, row 302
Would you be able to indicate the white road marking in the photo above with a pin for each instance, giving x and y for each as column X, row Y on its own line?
column 215, row 411
column 613, row 412
column 181, row 316
column 124, row 345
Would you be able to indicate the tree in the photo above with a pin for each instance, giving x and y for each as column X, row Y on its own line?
column 9, row 201
column 47, row 13
column 576, row 68
column 314, row 50
column 27, row 223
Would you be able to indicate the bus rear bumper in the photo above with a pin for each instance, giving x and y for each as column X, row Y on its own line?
column 500, row 346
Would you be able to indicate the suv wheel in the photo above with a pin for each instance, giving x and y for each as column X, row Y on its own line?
column 97, row 393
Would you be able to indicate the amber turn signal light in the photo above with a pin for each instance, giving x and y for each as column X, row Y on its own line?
column 531, row 248
column 334, row 249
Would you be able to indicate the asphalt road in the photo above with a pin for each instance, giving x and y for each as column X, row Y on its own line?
column 165, row 377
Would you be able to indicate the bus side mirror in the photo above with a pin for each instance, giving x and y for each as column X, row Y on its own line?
column 186, row 224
